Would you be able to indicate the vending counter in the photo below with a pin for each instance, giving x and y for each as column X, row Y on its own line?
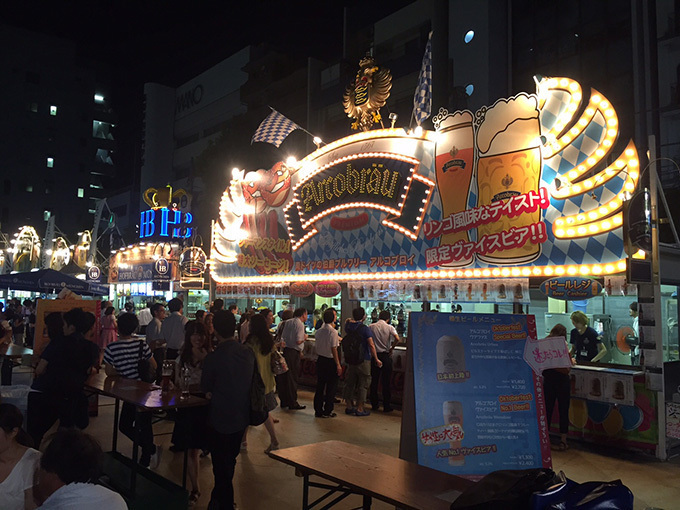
column 308, row 370
column 611, row 406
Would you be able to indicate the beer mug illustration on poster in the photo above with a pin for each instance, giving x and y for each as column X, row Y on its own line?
column 454, row 164
column 509, row 164
column 453, row 413
column 450, row 359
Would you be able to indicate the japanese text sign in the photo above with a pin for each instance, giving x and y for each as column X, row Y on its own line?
column 478, row 404
column 544, row 353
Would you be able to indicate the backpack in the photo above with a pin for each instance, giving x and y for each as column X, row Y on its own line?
column 353, row 347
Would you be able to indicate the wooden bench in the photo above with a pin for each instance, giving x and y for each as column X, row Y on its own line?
column 370, row 474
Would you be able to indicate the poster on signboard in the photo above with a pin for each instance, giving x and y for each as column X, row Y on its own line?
column 478, row 404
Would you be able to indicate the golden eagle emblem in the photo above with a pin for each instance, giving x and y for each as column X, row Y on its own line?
column 369, row 92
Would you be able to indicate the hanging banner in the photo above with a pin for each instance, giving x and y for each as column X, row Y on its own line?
column 520, row 188
column 571, row 288
column 327, row 289
column 301, row 289
column 479, row 405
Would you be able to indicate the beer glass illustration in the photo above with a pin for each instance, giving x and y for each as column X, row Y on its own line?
column 450, row 358
column 454, row 162
column 453, row 413
column 509, row 164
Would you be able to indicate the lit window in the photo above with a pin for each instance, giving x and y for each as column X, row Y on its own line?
column 53, row 110
column 98, row 98
column 469, row 89
column 50, row 162
column 469, row 35
column 29, row 188
column 91, row 211
column 46, row 215
column 81, row 192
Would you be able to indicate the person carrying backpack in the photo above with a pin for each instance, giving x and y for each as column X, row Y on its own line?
column 358, row 349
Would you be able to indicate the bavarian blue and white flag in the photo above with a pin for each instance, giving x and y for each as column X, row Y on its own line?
column 422, row 100
column 274, row 129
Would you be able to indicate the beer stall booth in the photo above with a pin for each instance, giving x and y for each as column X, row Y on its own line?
column 161, row 265
column 515, row 208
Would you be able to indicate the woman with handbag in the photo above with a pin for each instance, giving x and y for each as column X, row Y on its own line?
column 191, row 430
column 261, row 341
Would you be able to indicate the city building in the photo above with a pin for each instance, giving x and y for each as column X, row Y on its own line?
column 57, row 133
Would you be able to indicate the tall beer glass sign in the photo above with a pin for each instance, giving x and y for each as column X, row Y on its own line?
column 454, row 162
column 509, row 164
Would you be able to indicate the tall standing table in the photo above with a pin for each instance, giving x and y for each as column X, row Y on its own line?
column 146, row 397
column 14, row 352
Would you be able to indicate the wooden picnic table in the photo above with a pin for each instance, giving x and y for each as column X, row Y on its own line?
column 371, row 474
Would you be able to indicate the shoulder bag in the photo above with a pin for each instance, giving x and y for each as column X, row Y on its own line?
column 146, row 374
column 278, row 362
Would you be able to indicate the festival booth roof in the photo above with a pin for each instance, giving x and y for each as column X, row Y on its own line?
column 72, row 269
column 45, row 280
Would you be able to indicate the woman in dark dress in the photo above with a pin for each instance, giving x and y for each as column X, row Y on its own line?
column 191, row 423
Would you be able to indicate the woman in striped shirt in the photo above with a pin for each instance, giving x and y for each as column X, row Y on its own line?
column 121, row 358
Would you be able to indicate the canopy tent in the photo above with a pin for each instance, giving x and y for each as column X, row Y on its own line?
column 46, row 280
column 72, row 268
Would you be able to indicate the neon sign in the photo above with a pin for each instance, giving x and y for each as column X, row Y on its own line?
column 165, row 223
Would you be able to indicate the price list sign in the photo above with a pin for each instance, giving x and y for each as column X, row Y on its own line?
column 479, row 405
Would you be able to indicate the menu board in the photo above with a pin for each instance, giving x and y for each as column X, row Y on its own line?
column 479, row 406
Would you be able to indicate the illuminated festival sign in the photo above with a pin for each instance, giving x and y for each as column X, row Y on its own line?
column 165, row 223
column 530, row 186
column 168, row 216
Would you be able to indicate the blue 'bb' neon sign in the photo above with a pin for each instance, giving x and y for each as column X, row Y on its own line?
column 165, row 223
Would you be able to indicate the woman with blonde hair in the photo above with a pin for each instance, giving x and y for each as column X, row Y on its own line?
column 586, row 343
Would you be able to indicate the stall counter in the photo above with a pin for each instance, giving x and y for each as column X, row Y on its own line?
column 611, row 405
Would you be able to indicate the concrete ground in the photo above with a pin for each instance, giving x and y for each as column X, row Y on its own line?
column 261, row 482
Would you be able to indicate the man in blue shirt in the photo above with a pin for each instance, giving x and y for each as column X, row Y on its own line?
column 358, row 377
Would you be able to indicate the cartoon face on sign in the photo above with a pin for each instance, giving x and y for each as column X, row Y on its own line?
column 267, row 187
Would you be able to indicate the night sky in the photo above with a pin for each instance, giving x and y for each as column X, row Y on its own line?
column 170, row 42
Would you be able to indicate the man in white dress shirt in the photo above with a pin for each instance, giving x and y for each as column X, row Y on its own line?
column 385, row 338
column 328, row 368
column 294, row 336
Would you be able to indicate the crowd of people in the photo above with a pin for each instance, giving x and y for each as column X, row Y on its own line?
column 217, row 355
column 21, row 317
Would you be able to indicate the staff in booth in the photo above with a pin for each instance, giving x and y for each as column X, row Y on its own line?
column 557, row 387
column 585, row 343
